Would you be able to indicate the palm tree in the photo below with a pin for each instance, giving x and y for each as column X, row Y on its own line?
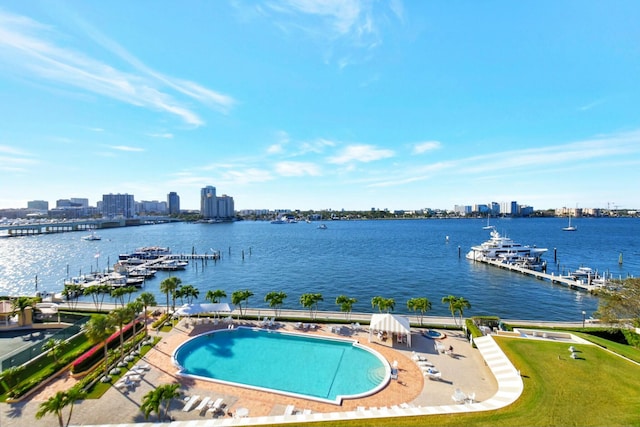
column 121, row 316
column 98, row 329
column 451, row 300
column 346, row 304
column 275, row 300
column 188, row 292
column 97, row 293
column 168, row 392
column 215, row 296
column 73, row 394
column 169, row 286
column 135, row 307
column 118, row 295
column 421, row 305
column 383, row 304
column 151, row 403
column 53, row 405
column 158, row 397
column 55, row 347
column 460, row 304
column 20, row 304
column 238, row 297
column 71, row 292
column 311, row 301
column 148, row 300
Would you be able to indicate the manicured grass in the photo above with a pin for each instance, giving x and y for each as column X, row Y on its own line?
column 597, row 389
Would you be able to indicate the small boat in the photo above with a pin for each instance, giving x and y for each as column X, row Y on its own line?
column 322, row 226
column 569, row 227
column 488, row 227
column 92, row 236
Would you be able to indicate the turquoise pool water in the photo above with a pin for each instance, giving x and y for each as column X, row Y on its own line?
column 293, row 364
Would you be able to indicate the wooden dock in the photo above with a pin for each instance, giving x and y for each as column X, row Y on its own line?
column 563, row 280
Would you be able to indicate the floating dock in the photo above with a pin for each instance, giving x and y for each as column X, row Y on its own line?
column 563, row 280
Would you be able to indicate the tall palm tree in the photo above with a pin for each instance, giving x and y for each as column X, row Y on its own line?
column 215, row 296
column 118, row 295
column 189, row 292
column 169, row 286
column 167, row 394
column 135, row 307
column 311, row 301
column 451, row 300
column 346, row 305
column 121, row 316
column 53, row 405
column 239, row 297
column 460, row 304
column 74, row 394
column 148, row 300
column 275, row 300
column 383, row 304
column 98, row 329
column 421, row 305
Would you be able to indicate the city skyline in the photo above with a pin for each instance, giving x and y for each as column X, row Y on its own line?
column 318, row 105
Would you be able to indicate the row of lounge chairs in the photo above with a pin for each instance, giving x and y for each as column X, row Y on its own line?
column 291, row 410
column 427, row 368
column 132, row 378
column 204, row 405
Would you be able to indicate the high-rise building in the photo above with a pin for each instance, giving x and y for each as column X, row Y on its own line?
column 173, row 201
column 40, row 205
column 208, row 203
column 118, row 205
column 226, row 208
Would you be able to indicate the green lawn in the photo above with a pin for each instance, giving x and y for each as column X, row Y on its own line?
column 597, row 389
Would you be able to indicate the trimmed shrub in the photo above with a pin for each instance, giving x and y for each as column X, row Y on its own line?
column 96, row 353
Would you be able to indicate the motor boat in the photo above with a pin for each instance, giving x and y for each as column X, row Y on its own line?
column 504, row 249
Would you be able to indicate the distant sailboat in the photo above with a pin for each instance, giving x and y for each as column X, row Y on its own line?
column 488, row 227
column 569, row 227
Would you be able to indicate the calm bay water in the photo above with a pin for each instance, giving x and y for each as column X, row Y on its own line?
column 398, row 259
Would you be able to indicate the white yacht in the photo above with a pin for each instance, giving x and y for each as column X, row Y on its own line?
column 501, row 248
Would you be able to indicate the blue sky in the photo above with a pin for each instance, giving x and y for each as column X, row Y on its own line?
column 318, row 104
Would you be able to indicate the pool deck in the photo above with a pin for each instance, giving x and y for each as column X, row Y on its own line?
column 484, row 371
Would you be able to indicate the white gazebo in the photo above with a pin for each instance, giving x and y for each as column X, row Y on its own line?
column 197, row 309
column 390, row 324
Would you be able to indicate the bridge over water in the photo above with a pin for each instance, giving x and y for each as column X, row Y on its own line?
column 62, row 226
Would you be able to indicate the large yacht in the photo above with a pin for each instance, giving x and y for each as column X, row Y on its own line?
column 501, row 248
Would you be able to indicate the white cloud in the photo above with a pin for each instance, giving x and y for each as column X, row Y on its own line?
column 247, row 176
column 126, row 148
column 164, row 135
column 361, row 153
column 297, row 169
column 31, row 50
column 422, row 147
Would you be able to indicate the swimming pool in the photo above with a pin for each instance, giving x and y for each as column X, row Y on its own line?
column 319, row 368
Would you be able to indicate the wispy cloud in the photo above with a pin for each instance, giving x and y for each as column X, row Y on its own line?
column 360, row 153
column 30, row 47
column 348, row 29
column 126, row 148
column 588, row 153
column 423, row 147
column 297, row 169
column 591, row 105
column 163, row 135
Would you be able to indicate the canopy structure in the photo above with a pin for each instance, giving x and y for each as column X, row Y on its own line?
column 195, row 309
column 390, row 324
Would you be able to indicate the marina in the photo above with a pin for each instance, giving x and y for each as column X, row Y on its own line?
column 399, row 259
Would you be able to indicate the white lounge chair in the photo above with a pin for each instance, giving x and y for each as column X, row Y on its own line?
column 458, row 396
column 306, row 412
column 216, row 406
column 144, row 367
column 203, row 403
column 192, row 401
column 289, row 410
